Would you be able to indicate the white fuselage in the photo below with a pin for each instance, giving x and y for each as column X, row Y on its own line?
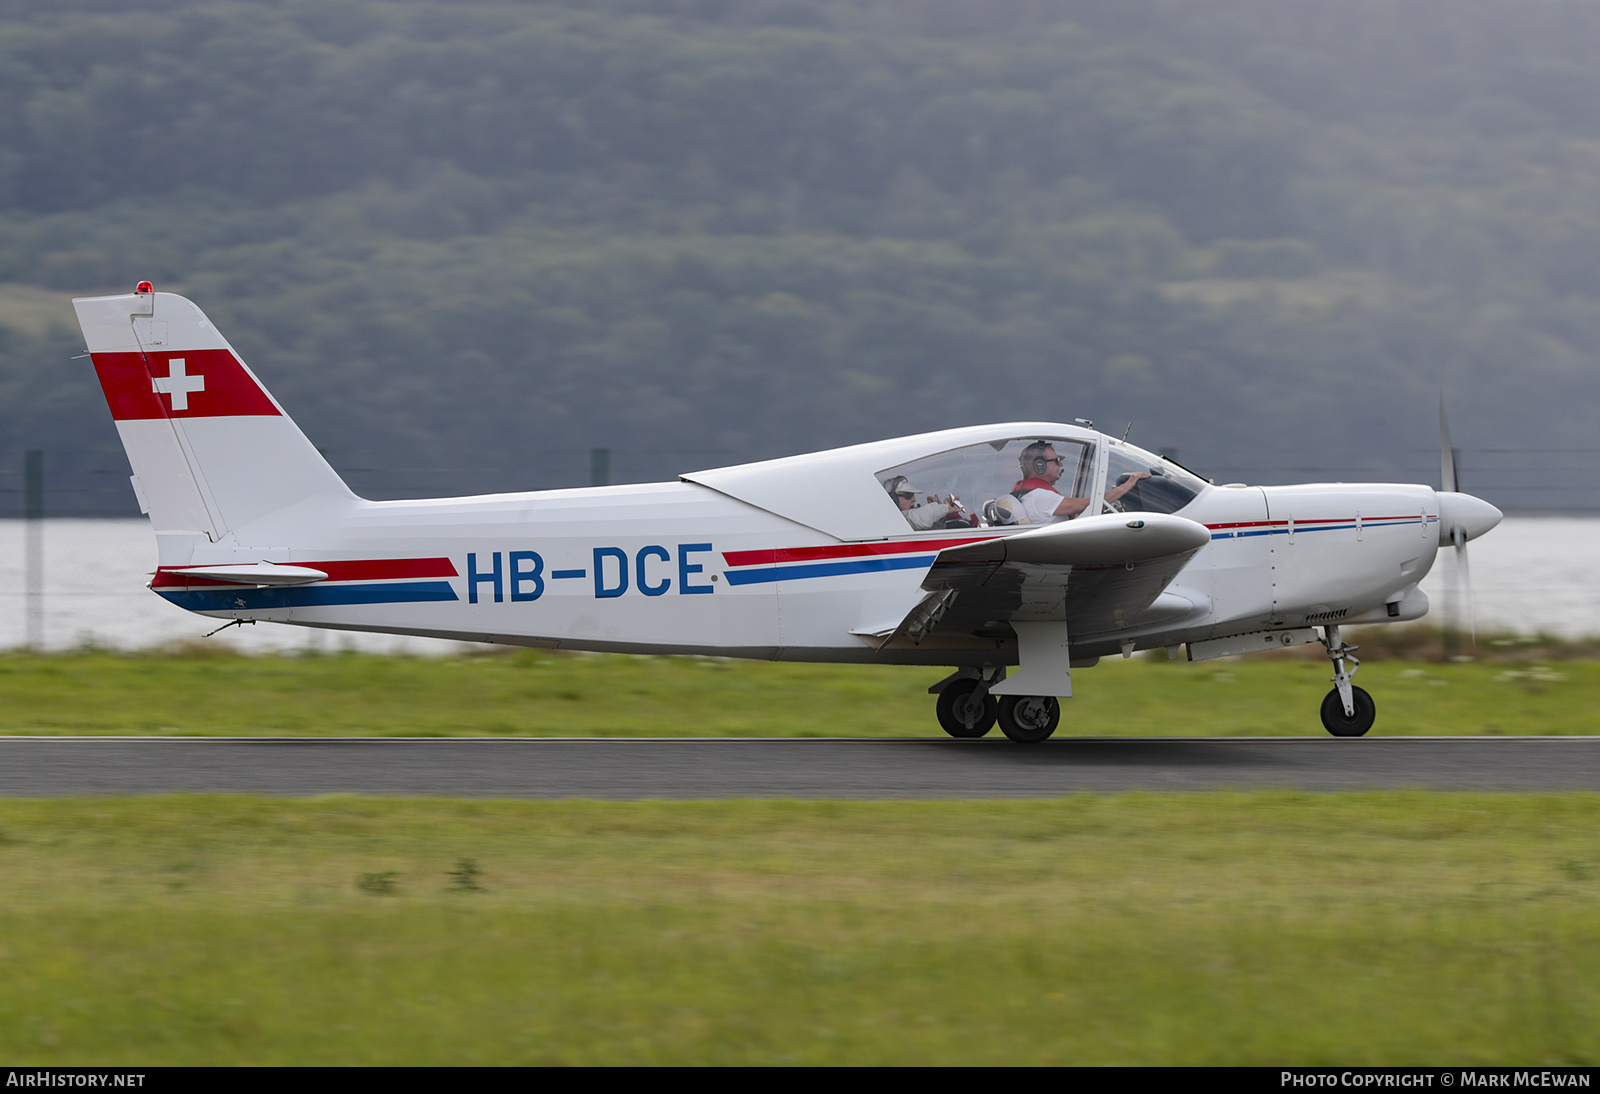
column 679, row 567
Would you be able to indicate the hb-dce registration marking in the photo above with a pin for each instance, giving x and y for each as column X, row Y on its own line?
column 650, row 570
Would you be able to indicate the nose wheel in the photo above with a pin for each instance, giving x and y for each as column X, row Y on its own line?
column 1354, row 724
column 1347, row 711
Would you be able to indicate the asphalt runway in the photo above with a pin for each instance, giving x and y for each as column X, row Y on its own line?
column 633, row 768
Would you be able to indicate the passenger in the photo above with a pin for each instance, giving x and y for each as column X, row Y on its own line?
column 1038, row 500
column 933, row 513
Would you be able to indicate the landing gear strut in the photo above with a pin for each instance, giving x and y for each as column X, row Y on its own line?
column 1347, row 711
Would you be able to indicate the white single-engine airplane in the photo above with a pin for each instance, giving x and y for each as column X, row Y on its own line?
column 1071, row 545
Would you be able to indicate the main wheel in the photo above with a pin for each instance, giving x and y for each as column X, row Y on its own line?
column 1029, row 719
column 962, row 712
column 1335, row 720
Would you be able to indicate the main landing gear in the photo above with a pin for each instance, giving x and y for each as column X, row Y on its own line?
column 967, row 710
column 1347, row 711
column 1029, row 719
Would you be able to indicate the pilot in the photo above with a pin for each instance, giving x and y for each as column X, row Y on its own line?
column 1038, row 500
column 933, row 513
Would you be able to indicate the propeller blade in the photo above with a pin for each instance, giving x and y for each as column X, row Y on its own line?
column 1464, row 575
column 1447, row 454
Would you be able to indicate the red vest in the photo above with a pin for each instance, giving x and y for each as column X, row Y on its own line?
column 1032, row 484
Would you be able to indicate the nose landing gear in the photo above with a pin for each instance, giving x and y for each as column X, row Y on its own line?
column 1347, row 711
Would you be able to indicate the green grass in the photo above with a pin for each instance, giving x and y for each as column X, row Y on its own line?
column 530, row 693
column 1262, row 928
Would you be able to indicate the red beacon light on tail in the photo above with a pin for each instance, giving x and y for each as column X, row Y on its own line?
column 144, row 286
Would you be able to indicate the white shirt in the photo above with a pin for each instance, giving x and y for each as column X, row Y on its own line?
column 1039, row 507
column 926, row 516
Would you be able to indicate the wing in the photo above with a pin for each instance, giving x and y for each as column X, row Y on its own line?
column 1099, row 575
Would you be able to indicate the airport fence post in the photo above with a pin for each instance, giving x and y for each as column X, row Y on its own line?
column 33, row 512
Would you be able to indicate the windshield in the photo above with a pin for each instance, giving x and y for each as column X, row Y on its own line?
column 1167, row 488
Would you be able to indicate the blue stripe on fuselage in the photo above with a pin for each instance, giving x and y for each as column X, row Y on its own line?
column 826, row 569
column 307, row 596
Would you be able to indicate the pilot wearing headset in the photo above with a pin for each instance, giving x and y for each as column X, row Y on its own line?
column 1038, row 500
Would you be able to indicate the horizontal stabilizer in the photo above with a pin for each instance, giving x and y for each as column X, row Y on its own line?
column 255, row 573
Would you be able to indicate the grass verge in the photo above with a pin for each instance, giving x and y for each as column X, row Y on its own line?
column 1249, row 928
column 532, row 693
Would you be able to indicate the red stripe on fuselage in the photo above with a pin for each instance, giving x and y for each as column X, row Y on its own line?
column 842, row 550
column 906, row 547
column 368, row 569
column 210, row 383
column 1309, row 520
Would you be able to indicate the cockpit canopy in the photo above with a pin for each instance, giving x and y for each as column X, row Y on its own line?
column 983, row 484
column 850, row 493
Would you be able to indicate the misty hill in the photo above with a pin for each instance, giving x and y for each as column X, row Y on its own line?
column 466, row 242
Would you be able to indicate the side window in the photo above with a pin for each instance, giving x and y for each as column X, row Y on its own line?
column 987, row 484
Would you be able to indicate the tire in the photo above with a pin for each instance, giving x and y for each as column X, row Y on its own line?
column 961, row 713
column 1029, row 719
column 1333, row 716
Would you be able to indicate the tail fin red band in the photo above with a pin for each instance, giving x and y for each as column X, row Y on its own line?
column 203, row 383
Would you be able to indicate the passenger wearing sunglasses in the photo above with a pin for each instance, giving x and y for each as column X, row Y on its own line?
column 932, row 513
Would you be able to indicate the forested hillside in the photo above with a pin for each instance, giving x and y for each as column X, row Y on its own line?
column 465, row 242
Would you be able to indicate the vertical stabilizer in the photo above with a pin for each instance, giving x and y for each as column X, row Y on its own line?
column 211, row 449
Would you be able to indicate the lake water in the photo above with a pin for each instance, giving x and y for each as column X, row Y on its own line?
column 1530, row 574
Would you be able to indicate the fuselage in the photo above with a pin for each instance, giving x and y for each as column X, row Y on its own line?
column 710, row 567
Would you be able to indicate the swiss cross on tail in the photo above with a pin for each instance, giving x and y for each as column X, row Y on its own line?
column 178, row 383
column 189, row 383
